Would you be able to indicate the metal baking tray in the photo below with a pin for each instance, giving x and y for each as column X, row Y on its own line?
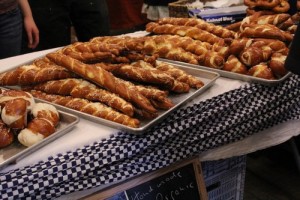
column 233, row 75
column 16, row 151
column 206, row 76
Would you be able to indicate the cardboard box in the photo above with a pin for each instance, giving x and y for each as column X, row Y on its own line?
column 219, row 16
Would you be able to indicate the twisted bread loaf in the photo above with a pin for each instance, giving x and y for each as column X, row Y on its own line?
column 87, row 57
column 43, row 124
column 192, row 32
column 82, row 89
column 102, row 78
column 6, row 136
column 142, row 75
column 203, row 50
column 31, row 74
column 130, row 43
column 179, row 75
column 200, row 24
column 93, row 47
column 168, row 51
column 85, row 106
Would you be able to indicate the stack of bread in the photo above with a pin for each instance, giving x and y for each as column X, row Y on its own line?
column 256, row 46
column 116, row 82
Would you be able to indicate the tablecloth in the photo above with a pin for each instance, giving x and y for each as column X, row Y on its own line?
column 220, row 120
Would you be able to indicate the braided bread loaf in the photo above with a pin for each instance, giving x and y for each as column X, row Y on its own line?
column 31, row 74
column 200, row 24
column 102, row 78
column 83, row 89
column 192, row 32
column 96, row 109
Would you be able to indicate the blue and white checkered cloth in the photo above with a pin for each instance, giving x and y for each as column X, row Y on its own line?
column 189, row 131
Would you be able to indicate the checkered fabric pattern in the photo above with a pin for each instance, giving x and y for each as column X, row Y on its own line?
column 189, row 131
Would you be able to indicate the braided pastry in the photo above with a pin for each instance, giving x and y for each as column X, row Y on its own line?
column 87, row 57
column 43, row 124
column 142, row 75
column 192, row 32
column 200, row 24
column 168, row 51
column 31, row 74
column 102, row 78
column 83, row 89
column 93, row 108
column 203, row 50
column 130, row 43
column 180, row 75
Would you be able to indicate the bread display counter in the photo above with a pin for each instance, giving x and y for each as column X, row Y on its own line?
column 86, row 156
column 223, row 111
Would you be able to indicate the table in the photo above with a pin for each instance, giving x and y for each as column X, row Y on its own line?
column 264, row 124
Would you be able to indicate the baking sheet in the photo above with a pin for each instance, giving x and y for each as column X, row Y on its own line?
column 206, row 76
column 16, row 151
column 233, row 75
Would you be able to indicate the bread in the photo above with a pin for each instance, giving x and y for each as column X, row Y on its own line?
column 180, row 75
column 264, row 31
column 277, row 64
column 83, row 89
column 45, row 119
column 14, row 113
column 261, row 70
column 130, row 43
column 200, row 24
column 6, row 135
column 103, row 79
column 7, row 95
column 32, row 74
column 251, row 56
column 233, row 64
column 169, row 51
column 191, row 32
column 92, row 108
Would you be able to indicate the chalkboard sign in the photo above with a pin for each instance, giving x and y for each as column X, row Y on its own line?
column 182, row 181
